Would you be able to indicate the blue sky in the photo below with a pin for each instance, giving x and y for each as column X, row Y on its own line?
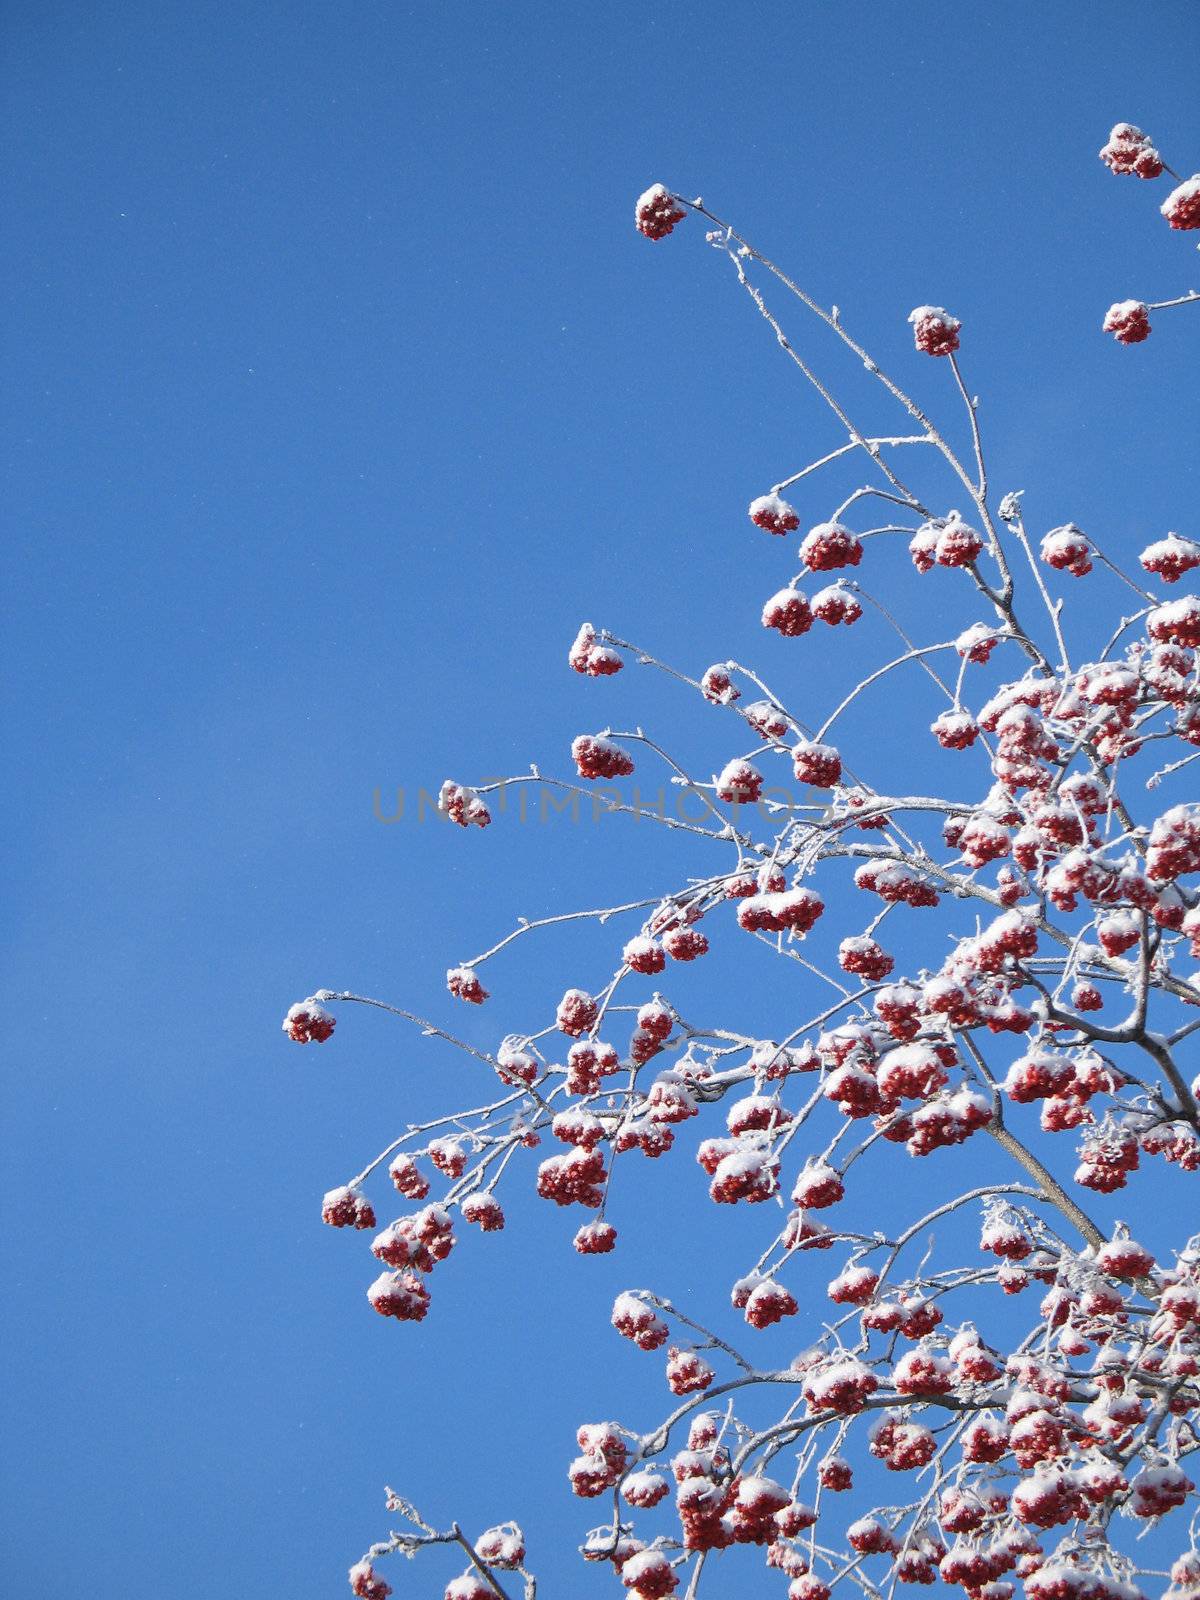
column 340, row 390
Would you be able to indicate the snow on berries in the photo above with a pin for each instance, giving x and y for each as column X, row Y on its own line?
column 643, row 954
column 773, row 515
column 1176, row 622
column 1170, row 557
column 828, row 546
column 1124, row 1258
column 1157, row 1490
column 463, row 805
column 577, row 1012
column 596, row 756
column 767, row 719
column 955, row 730
column 688, row 1372
column 935, row 331
column 484, row 1210
column 468, row 1586
column 838, row 1383
column 1066, row 549
column 1174, row 847
column 636, row 1320
column 788, row 612
column 864, row 957
column 347, row 1208
column 1182, row 206
column 945, row 542
column 595, row 1239
column 366, row 1583
column 718, row 687
column 649, row 1575
column 739, row 782
column 464, row 984
column 1128, row 321
column 308, row 1023
column 819, row 765
column 589, row 656
column 407, row 1177
column 502, row 1547
column 769, row 1302
column 657, row 212
column 401, row 1295
column 1129, row 150
column 836, row 604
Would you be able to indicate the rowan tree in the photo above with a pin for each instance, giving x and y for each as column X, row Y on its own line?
column 1012, row 964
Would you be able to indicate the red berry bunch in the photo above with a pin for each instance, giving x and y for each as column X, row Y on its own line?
column 366, row 1583
column 773, row 515
column 1067, row 550
column 1176, row 622
column 603, row 1458
column 589, row 656
column 308, row 1023
column 817, row 764
column 502, row 1547
column 788, row 612
column 955, row 730
column 840, row 1383
column 598, row 757
column 347, row 1208
column 756, row 1503
column 463, row 983
column 769, row 1302
column 401, row 1295
column 577, row 1012
column 688, row 1372
column 744, row 1173
column 1171, row 557
column 634, row 1319
column 1128, row 321
column 573, row 1178
column 1129, row 150
column 828, row 546
column 408, row 1177
column 866, row 958
column 935, row 331
column 1106, row 1159
column 643, row 954
column 739, row 782
column 657, row 212
column 1182, row 206
column 485, row 1211
column 716, row 685
column 595, row 1239
column 463, row 805
column 767, row 719
column 853, row 1286
column 817, row 1187
column 836, row 604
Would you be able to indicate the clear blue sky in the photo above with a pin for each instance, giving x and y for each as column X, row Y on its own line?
column 339, row 389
